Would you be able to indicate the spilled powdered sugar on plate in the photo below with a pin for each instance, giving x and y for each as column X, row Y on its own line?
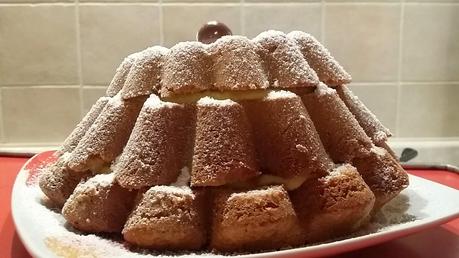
column 66, row 242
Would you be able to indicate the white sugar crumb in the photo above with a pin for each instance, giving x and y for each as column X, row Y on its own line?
column 269, row 35
column 281, row 94
column 323, row 89
column 98, row 181
column 172, row 189
column 337, row 171
column 381, row 136
column 254, row 193
column 184, row 178
column 209, row 101
column 66, row 156
column 155, row 102
column 378, row 151
column 116, row 100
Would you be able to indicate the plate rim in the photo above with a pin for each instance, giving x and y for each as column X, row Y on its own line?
column 345, row 245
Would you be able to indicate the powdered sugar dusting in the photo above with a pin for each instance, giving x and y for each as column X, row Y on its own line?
column 101, row 180
column 145, row 74
column 121, row 73
column 281, row 94
column 285, row 64
column 172, row 189
column 236, row 64
column 186, row 69
column 59, row 236
column 323, row 89
column 372, row 126
column 80, row 130
column 209, row 101
column 319, row 58
column 156, row 103
column 378, row 151
column 338, row 171
column 272, row 59
column 106, row 137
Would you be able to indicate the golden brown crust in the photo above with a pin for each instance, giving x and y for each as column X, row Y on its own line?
column 339, row 131
column 121, row 73
column 80, row 130
column 327, row 68
column 334, row 205
column 186, row 69
column 223, row 147
column 236, row 65
column 98, row 205
column 106, row 138
column 286, row 140
column 284, row 62
column 168, row 218
column 57, row 181
column 367, row 120
column 160, row 145
column 144, row 77
column 383, row 174
column 253, row 220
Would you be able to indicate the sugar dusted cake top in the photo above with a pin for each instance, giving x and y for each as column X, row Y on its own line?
column 271, row 60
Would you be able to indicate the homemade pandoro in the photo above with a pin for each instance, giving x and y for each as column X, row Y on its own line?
column 240, row 145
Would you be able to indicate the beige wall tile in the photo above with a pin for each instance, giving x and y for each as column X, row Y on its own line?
column 39, row 114
column 431, row 42
column 182, row 22
column 261, row 17
column 111, row 32
column 90, row 96
column 364, row 38
column 381, row 99
column 35, row 49
column 429, row 110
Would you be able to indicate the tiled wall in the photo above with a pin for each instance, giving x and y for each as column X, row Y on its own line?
column 56, row 57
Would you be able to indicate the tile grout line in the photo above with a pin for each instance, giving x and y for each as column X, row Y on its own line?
column 30, row 3
column 161, row 22
column 80, row 69
column 400, row 69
